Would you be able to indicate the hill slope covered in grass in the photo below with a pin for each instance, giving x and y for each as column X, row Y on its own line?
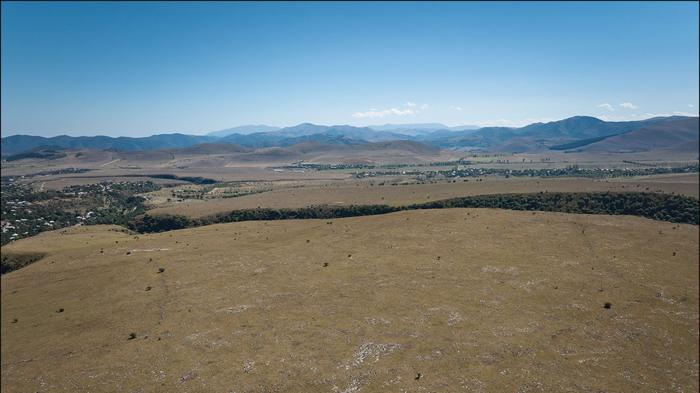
column 477, row 298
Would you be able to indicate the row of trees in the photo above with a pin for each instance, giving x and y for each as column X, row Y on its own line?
column 189, row 179
column 569, row 171
column 673, row 208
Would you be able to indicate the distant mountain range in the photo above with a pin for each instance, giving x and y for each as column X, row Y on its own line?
column 22, row 143
column 306, row 128
column 248, row 129
column 580, row 133
column 311, row 132
column 420, row 129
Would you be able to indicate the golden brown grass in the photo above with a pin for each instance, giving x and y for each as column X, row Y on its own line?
column 472, row 299
column 362, row 193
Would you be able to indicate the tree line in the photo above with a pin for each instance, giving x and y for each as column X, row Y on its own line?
column 664, row 207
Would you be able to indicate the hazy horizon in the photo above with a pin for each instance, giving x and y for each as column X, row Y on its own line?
column 292, row 125
column 139, row 69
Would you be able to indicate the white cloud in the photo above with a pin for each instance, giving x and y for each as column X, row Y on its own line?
column 456, row 108
column 606, row 106
column 691, row 106
column 386, row 112
column 376, row 113
column 628, row 105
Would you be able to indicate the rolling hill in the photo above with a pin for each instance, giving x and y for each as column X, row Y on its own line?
column 20, row 143
column 409, row 301
column 679, row 135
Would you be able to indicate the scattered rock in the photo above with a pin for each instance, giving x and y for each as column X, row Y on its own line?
column 325, row 264
column 161, row 269
column 607, row 305
column 418, row 376
column 132, row 336
column 190, row 375
column 60, row 310
column 370, row 350
column 148, row 288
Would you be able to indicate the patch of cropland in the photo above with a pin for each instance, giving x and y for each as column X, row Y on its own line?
column 425, row 300
column 672, row 208
column 27, row 212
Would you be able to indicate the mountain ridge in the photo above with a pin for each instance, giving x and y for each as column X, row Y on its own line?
column 533, row 137
column 245, row 129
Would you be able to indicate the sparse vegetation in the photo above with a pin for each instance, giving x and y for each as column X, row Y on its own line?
column 14, row 261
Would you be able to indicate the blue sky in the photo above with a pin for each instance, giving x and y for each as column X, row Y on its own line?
column 134, row 69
